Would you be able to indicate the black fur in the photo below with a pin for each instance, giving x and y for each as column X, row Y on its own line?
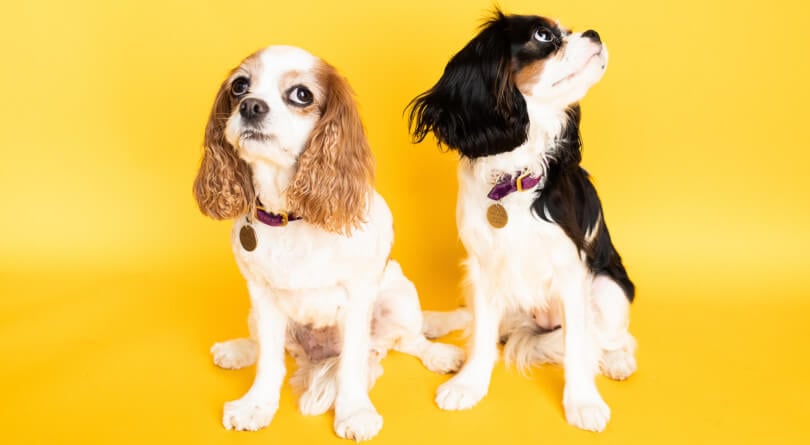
column 570, row 200
column 477, row 109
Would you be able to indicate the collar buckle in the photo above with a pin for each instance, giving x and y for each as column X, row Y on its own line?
column 519, row 180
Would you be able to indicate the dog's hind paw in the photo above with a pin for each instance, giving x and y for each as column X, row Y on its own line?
column 235, row 354
column 443, row 358
column 618, row 365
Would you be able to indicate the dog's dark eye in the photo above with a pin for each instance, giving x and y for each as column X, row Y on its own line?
column 300, row 96
column 240, row 86
column 543, row 35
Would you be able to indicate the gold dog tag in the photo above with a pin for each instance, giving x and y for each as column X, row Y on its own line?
column 247, row 236
column 496, row 215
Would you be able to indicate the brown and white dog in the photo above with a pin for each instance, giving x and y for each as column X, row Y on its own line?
column 286, row 157
column 539, row 251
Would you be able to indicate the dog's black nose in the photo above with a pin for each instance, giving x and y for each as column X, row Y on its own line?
column 253, row 109
column 593, row 35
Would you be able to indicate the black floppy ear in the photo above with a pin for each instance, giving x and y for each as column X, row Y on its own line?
column 475, row 107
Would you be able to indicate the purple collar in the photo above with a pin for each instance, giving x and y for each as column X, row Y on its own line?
column 274, row 219
column 509, row 184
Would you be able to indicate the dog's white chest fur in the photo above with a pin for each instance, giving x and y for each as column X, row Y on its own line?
column 307, row 267
column 519, row 260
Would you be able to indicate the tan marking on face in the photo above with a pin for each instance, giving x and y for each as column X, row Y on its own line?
column 289, row 78
column 527, row 76
column 310, row 80
column 250, row 68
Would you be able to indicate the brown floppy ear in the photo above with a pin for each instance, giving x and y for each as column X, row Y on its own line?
column 334, row 180
column 224, row 184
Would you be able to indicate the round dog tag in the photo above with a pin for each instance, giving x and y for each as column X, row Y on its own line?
column 496, row 215
column 247, row 236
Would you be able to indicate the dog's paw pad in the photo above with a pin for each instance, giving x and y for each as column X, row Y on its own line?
column 360, row 425
column 247, row 415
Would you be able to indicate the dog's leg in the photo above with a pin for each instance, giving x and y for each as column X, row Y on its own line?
column 438, row 324
column 355, row 416
column 257, row 407
column 437, row 357
column 617, row 345
column 398, row 324
column 471, row 384
column 584, row 407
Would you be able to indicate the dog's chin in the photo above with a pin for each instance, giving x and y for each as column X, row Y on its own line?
column 252, row 135
column 254, row 146
column 589, row 71
column 572, row 86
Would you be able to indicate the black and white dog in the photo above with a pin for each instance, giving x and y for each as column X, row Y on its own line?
column 539, row 252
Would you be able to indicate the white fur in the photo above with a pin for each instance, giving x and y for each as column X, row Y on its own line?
column 438, row 324
column 568, row 75
column 396, row 326
column 530, row 267
column 303, row 273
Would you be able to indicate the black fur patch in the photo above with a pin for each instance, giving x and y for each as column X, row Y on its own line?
column 475, row 107
column 570, row 200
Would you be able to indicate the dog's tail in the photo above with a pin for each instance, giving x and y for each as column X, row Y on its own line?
column 437, row 324
column 317, row 382
column 525, row 344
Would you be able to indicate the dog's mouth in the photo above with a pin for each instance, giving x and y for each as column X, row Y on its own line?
column 253, row 134
column 578, row 71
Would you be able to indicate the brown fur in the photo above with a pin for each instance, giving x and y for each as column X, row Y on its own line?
column 527, row 76
column 503, row 89
column 333, row 183
column 224, row 184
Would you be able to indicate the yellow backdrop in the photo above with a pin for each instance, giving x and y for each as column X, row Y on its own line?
column 113, row 286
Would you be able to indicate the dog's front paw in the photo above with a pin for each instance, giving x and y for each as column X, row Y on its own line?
column 453, row 396
column 591, row 414
column 443, row 358
column 362, row 424
column 247, row 414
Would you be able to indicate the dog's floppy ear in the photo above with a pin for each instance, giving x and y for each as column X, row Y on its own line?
column 333, row 183
column 224, row 184
column 475, row 107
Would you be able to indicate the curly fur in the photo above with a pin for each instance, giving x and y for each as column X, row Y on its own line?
column 333, row 183
column 224, row 185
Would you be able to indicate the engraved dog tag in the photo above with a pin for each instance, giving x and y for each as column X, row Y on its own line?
column 247, row 236
column 496, row 215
